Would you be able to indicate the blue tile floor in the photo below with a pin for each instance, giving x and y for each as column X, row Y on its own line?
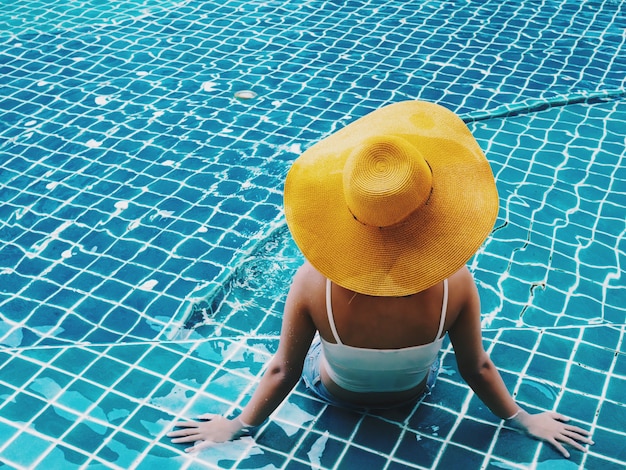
column 144, row 258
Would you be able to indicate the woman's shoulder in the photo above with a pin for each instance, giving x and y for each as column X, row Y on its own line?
column 308, row 279
column 462, row 279
column 308, row 288
column 308, row 274
column 462, row 288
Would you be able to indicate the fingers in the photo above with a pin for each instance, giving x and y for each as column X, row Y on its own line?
column 210, row 430
column 195, row 424
column 558, row 416
column 573, row 436
column 186, row 424
column 578, row 437
column 181, row 432
column 199, row 446
column 551, row 427
column 575, row 444
column 558, row 446
column 189, row 428
column 190, row 438
column 577, row 430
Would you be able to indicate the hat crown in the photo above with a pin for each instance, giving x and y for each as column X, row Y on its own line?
column 385, row 180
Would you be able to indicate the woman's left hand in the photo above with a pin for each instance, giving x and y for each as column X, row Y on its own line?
column 552, row 427
column 214, row 429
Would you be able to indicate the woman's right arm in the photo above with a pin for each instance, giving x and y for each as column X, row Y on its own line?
column 282, row 374
column 285, row 368
column 477, row 369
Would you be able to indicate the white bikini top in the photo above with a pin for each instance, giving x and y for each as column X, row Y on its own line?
column 379, row 370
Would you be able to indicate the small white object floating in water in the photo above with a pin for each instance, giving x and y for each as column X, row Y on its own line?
column 92, row 143
column 102, row 100
column 209, row 86
column 148, row 285
column 162, row 213
column 245, row 95
column 294, row 148
column 134, row 224
column 121, row 205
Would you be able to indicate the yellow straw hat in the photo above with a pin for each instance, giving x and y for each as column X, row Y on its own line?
column 393, row 203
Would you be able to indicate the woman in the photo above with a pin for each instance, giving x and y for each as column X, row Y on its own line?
column 387, row 212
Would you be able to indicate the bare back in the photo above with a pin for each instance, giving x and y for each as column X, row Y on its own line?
column 384, row 322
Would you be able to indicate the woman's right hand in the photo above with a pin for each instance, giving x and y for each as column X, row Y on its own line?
column 212, row 429
column 552, row 427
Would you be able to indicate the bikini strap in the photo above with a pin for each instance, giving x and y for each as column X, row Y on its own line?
column 444, row 309
column 329, row 311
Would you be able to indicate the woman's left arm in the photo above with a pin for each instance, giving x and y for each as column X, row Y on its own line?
column 282, row 374
column 481, row 375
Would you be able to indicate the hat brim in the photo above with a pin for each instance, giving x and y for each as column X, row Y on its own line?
column 433, row 243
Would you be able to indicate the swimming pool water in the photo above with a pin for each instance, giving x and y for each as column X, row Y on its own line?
column 143, row 253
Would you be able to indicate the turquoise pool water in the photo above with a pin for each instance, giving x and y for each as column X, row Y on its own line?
column 143, row 253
